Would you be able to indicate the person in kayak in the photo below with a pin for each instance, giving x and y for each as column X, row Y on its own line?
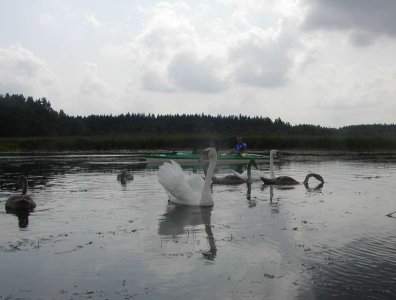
column 240, row 146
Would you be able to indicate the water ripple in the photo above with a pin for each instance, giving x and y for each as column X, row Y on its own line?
column 363, row 268
column 272, row 243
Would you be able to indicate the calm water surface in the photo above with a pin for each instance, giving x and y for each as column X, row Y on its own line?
column 92, row 238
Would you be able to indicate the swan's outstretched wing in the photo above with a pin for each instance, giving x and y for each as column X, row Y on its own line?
column 196, row 182
column 171, row 176
column 182, row 188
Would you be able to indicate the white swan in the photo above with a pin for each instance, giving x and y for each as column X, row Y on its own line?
column 23, row 201
column 286, row 180
column 188, row 189
column 237, row 179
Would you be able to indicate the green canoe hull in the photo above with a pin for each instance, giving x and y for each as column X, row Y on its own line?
column 185, row 158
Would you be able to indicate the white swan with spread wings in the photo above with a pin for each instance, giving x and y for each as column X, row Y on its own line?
column 187, row 189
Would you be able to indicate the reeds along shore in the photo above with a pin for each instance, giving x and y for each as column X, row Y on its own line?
column 142, row 142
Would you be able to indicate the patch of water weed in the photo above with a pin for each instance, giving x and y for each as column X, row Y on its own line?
column 27, row 244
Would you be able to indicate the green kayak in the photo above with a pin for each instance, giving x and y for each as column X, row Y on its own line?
column 186, row 158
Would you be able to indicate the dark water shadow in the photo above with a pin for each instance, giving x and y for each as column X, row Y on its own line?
column 362, row 269
column 178, row 218
column 392, row 215
column 41, row 169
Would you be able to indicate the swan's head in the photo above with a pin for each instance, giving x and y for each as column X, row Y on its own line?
column 274, row 152
column 211, row 153
column 22, row 180
column 252, row 162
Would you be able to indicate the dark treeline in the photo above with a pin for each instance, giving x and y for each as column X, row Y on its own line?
column 27, row 118
column 21, row 117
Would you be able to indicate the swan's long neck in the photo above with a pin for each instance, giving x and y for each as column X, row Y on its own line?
column 249, row 173
column 317, row 176
column 272, row 165
column 24, row 184
column 206, row 194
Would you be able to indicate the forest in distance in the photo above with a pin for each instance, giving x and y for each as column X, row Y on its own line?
column 28, row 124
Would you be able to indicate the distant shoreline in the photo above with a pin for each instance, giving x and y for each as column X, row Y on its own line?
column 145, row 143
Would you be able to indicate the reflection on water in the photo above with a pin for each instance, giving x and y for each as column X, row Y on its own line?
column 362, row 269
column 91, row 237
column 22, row 215
column 182, row 220
column 251, row 202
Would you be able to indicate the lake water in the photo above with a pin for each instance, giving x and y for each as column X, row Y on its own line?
column 90, row 237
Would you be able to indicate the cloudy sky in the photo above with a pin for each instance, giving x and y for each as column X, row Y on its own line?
column 329, row 63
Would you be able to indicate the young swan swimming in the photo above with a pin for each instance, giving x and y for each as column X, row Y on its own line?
column 23, row 201
column 235, row 179
column 286, row 180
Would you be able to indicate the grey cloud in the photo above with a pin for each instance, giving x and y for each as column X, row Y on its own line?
column 172, row 56
column 21, row 61
column 361, row 39
column 153, row 81
column 191, row 73
column 261, row 61
column 23, row 72
column 364, row 16
column 91, row 83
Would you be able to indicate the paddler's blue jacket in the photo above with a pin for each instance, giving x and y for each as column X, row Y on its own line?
column 240, row 147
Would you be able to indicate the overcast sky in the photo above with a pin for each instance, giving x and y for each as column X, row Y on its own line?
column 329, row 63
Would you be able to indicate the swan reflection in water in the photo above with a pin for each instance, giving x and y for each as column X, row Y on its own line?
column 22, row 215
column 178, row 218
column 275, row 204
column 253, row 202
